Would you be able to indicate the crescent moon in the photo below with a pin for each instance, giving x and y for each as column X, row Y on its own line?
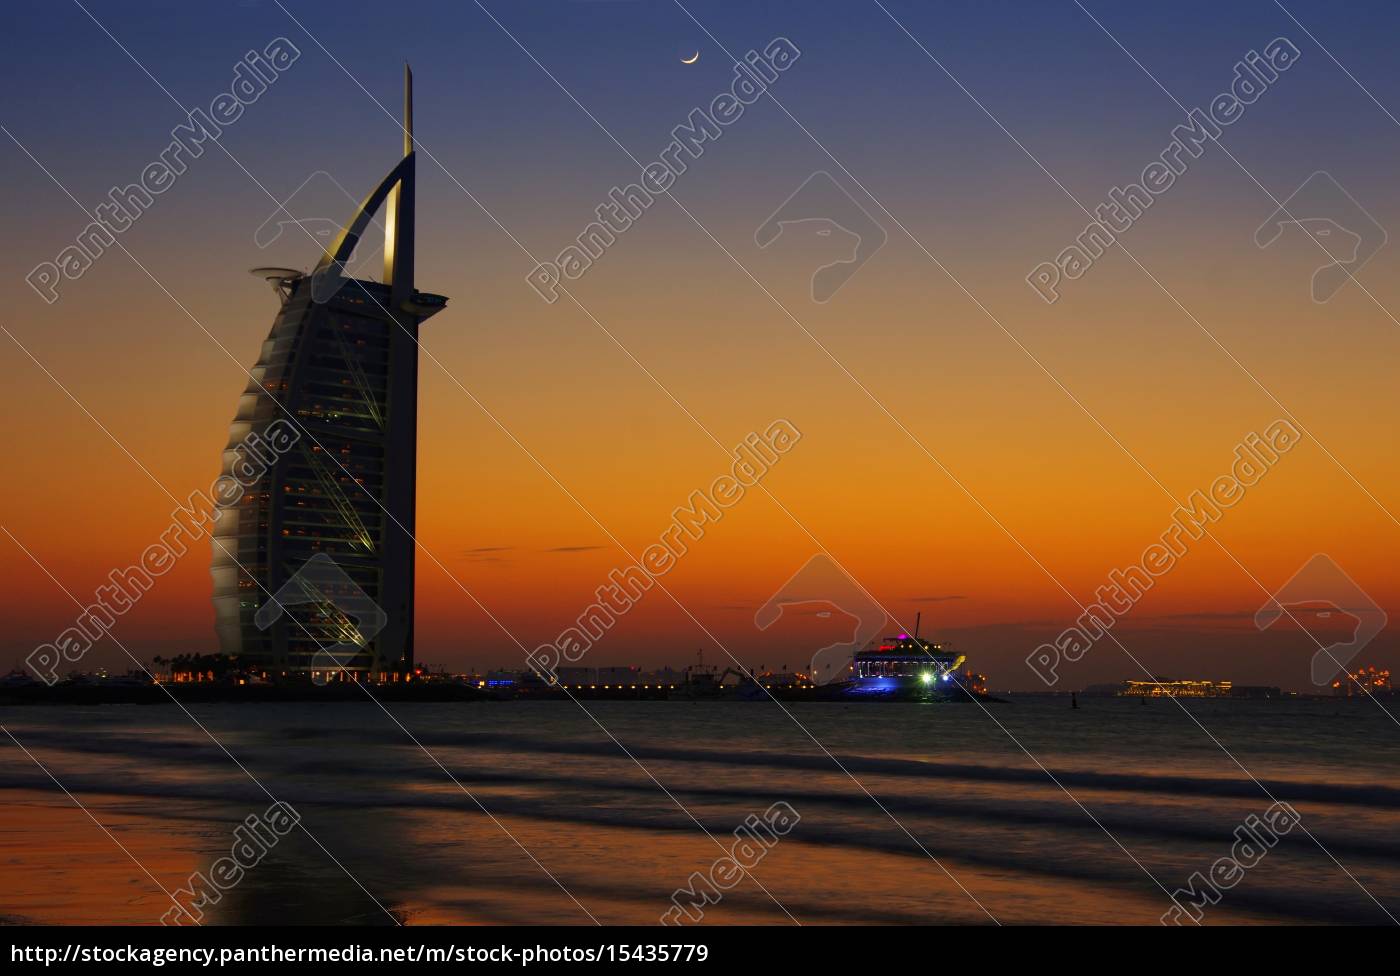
column 692, row 59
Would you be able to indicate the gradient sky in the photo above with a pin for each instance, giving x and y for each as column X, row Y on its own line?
column 1028, row 496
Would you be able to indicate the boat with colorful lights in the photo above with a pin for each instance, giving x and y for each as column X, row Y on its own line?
column 910, row 668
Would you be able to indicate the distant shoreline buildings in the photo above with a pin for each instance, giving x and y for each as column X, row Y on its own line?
column 1180, row 688
column 1365, row 681
column 217, row 677
column 1183, row 688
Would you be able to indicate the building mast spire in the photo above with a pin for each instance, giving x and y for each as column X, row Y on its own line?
column 407, row 109
column 398, row 222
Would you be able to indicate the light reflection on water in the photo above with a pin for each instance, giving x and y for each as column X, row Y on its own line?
column 557, row 787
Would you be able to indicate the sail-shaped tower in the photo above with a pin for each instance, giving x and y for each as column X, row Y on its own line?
column 340, row 366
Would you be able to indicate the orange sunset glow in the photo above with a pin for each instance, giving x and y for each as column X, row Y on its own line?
column 682, row 466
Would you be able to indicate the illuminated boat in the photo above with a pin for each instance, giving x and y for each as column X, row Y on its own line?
column 911, row 669
column 904, row 664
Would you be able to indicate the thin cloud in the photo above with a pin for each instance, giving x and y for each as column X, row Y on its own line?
column 1210, row 615
column 488, row 555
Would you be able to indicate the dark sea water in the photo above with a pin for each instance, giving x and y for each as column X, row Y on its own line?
column 967, row 827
